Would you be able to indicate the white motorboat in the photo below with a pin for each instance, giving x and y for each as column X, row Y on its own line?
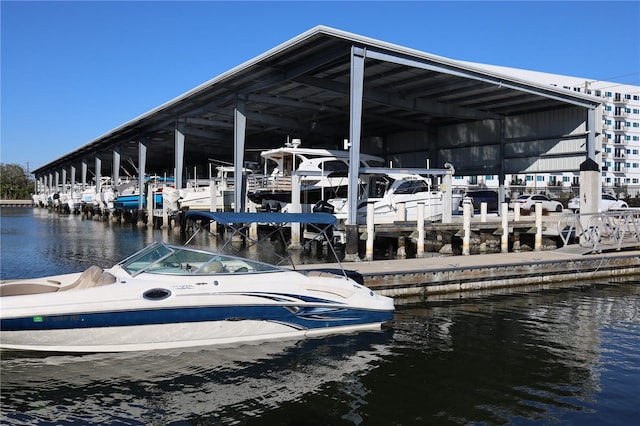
column 128, row 194
column 197, row 194
column 396, row 196
column 88, row 198
column 102, row 200
column 106, row 197
column 39, row 199
column 74, row 201
column 68, row 201
column 323, row 175
column 168, row 296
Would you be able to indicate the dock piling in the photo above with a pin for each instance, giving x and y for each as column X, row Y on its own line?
column 483, row 212
column 504, row 240
column 466, row 226
column 538, row 241
column 420, row 240
column 370, row 231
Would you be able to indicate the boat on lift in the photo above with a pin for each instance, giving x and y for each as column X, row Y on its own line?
column 323, row 175
column 167, row 296
column 197, row 194
column 128, row 195
column 392, row 191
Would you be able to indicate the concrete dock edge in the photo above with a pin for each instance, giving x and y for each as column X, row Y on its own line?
column 415, row 280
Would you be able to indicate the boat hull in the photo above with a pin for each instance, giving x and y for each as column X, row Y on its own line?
column 164, row 336
column 307, row 196
column 130, row 202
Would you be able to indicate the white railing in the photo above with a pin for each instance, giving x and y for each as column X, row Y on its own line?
column 601, row 231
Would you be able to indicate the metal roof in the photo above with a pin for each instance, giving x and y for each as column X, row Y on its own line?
column 301, row 89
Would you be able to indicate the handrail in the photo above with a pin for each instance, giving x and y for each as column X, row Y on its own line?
column 610, row 230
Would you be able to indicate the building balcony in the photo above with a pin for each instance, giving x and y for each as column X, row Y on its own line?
column 621, row 114
column 619, row 100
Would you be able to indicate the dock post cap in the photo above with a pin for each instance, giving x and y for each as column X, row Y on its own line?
column 589, row 165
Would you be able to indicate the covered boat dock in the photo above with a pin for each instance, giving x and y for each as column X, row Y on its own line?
column 334, row 89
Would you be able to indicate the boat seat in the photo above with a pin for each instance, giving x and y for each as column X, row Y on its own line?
column 23, row 288
column 211, row 268
column 87, row 279
column 106, row 278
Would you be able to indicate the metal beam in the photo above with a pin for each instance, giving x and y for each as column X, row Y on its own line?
column 98, row 175
column 84, row 173
column 478, row 76
column 73, row 180
column 293, row 103
column 205, row 122
column 142, row 164
column 394, row 101
column 239, row 131
column 207, row 134
column 276, row 78
column 355, row 130
column 303, row 67
column 115, row 167
column 179, row 153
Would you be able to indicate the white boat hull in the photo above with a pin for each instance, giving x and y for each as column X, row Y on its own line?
column 162, row 336
column 197, row 199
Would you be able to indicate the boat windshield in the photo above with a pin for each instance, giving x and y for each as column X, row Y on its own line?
column 165, row 259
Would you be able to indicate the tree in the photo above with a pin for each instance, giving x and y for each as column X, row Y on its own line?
column 15, row 184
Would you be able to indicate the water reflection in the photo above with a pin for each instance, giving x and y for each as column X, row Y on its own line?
column 37, row 242
column 225, row 384
column 528, row 356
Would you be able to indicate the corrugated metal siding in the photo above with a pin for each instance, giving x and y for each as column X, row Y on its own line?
column 543, row 165
column 546, row 123
column 550, row 141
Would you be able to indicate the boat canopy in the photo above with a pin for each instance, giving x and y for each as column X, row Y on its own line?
column 271, row 217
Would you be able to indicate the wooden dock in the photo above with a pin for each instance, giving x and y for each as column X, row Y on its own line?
column 16, row 203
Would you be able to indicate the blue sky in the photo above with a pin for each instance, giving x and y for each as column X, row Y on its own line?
column 72, row 71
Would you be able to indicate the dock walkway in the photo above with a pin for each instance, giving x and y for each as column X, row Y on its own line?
column 16, row 203
column 414, row 280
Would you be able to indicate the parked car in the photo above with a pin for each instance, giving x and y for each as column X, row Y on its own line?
column 607, row 202
column 479, row 197
column 529, row 202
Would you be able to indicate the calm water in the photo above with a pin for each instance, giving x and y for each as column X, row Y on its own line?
column 563, row 356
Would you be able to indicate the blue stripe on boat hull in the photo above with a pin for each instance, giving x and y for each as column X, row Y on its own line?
column 304, row 318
